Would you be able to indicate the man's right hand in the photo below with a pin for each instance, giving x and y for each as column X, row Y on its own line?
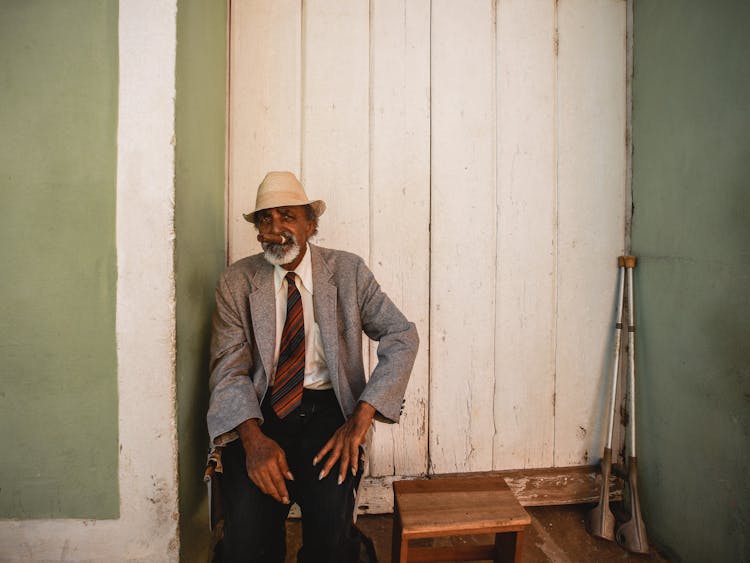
column 265, row 461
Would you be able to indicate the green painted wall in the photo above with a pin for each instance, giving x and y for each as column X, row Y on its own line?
column 58, row 370
column 200, row 258
column 691, row 230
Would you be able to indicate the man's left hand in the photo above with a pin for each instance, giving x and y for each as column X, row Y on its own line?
column 345, row 442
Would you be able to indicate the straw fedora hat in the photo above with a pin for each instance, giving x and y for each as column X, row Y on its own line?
column 281, row 189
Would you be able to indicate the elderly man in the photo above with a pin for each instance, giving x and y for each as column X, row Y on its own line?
column 289, row 401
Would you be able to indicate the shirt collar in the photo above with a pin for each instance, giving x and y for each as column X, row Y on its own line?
column 303, row 271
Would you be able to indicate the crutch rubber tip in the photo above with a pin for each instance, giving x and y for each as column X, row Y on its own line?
column 629, row 261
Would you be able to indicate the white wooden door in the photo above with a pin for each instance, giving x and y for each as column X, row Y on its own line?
column 474, row 153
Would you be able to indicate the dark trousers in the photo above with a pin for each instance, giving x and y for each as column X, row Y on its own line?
column 254, row 529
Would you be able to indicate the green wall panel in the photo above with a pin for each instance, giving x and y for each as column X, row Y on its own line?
column 199, row 226
column 58, row 396
column 691, row 230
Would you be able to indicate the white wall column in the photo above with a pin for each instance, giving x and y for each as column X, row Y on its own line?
column 147, row 527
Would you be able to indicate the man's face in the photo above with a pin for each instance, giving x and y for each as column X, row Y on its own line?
column 293, row 223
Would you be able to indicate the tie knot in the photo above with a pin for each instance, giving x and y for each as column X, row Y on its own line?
column 290, row 279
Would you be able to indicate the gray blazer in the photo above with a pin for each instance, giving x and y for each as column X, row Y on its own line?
column 347, row 302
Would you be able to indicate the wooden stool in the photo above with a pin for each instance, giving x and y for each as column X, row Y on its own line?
column 431, row 508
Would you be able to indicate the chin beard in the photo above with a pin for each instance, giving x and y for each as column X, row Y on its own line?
column 280, row 254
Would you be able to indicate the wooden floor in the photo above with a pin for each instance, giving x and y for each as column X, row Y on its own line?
column 557, row 499
column 557, row 534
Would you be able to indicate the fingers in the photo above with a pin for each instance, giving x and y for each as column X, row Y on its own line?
column 269, row 472
column 324, row 450
column 349, row 460
column 280, row 478
column 343, row 447
column 354, row 459
column 344, row 464
column 272, row 483
column 334, row 453
column 285, row 468
column 279, row 491
column 265, row 483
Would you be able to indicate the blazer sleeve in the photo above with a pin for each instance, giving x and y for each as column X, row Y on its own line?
column 397, row 346
column 233, row 397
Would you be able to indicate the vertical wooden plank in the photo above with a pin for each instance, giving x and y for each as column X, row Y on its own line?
column 400, row 185
column 525, row 319
column 591, row 210
column 264, row 106
column 463, row 236
column 335, row 119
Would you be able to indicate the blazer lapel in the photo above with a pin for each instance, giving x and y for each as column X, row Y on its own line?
column 263, row 312
column 324, row 302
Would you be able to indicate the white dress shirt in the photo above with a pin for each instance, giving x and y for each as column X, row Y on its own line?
column 317, row 375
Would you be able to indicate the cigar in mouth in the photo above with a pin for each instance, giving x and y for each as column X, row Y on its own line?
column 272, row 239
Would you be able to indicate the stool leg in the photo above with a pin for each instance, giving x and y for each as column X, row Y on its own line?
column 508, row 547
column 399, row 545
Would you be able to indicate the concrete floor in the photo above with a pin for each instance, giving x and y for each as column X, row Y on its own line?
column 557, row 534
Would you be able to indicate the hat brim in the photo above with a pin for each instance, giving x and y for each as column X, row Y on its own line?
column 318, row 205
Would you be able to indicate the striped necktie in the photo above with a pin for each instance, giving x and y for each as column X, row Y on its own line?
column 286, row 394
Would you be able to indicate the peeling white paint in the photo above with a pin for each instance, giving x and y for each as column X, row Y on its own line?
column 147, row 529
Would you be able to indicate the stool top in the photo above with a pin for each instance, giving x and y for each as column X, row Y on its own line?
column 455, row 506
